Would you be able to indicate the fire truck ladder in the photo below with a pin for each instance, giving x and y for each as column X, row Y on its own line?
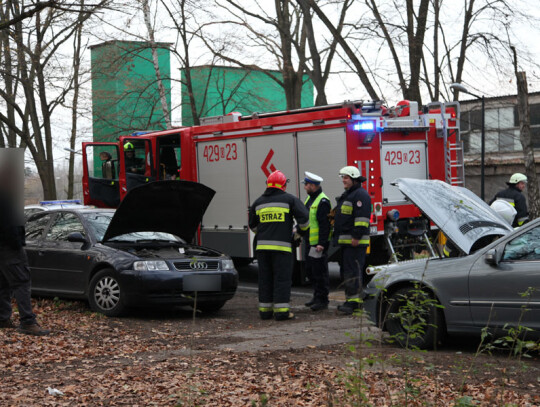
column 453, row 150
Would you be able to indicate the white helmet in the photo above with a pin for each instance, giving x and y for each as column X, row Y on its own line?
column 505, row 210
column 351, row 171
column 517, row 177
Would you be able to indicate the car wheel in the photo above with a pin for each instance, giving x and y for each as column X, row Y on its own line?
column 105, row 294
column 413, row 318
column 211, row 306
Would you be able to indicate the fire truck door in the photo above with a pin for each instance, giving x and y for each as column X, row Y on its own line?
column 401, row 160
column 324, row 153
column 221, row 165
column 100, row 174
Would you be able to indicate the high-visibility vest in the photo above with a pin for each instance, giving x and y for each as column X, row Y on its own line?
column 313, row 224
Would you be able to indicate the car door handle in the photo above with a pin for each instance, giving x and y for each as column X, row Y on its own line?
column 41, row 253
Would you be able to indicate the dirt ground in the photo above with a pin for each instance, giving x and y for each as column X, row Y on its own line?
column 232, row 358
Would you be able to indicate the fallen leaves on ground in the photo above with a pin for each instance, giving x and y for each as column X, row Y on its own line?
column 97, row 361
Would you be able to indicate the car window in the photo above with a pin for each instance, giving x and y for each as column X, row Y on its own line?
column 31, row 211
column 98, row 223
column 524, row 247
column 63, row 225
column 35, row 227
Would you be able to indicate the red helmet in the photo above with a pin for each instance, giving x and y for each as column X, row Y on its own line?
column 403, row 108
column 277, row 180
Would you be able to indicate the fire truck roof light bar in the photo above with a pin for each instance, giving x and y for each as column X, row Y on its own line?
column 368, row 125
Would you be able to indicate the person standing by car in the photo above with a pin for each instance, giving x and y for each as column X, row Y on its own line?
column 351, row 233
column 14, row 271
column 513, row 195
column 317, row 241
column 271, row 218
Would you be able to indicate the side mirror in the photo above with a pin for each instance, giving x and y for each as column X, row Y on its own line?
column 491, row 257
column 77, row 237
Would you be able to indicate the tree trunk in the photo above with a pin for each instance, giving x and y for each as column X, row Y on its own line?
column 526, row 143
column 74, row 107
column 153, row 46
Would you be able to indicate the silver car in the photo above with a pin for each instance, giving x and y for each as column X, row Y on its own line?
column 493, row 284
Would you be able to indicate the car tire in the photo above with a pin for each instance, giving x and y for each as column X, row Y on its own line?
column 423, row 334
column 105, row 294
column 211, row 306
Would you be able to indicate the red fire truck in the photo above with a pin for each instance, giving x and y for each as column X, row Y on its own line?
column 233, row 154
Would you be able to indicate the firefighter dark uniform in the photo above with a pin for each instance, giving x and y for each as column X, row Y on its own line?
column 513, row 195
column 317, row 241
column 271, row 218
column 352, row 222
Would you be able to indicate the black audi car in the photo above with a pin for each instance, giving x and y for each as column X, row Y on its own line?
column 136, row 256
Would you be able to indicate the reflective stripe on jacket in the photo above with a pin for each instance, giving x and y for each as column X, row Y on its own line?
column 315, row 229
column 517, row 200
column 271, row 217
column 352, row 216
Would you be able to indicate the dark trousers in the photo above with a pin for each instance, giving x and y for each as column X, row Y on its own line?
column 317, row 270
column 352, row 264
column 15, row 280
column 275, row 277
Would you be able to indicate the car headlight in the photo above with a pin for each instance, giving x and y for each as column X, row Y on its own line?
column 227, row 264
column 150, row 265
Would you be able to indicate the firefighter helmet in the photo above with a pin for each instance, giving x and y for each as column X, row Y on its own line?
column 351, row 171
column 516, row 178
column 277, row 180
column 403, row 108
column 129, row 147
column 505, row 209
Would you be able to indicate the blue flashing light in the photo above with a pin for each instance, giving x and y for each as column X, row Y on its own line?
column 140, row 133
column 364, row 126
column 62, row 202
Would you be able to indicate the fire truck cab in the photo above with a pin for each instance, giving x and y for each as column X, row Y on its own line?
column 234, row 154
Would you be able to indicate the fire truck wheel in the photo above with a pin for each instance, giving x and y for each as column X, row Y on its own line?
column 413, row 319
column 105, row 294
column 211, row 306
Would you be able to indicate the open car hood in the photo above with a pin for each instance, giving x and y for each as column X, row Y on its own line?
column 175, row 207
column 462, row 216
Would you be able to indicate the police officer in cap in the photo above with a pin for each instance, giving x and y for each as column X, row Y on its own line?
column 317, row 241
column 351, row 233
column 512, row 194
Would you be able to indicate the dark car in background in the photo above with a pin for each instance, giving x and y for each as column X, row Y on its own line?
column 136, row 256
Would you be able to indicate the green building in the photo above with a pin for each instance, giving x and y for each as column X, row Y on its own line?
column 221, row 90
column 125, row 95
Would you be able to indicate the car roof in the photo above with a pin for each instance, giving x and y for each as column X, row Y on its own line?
column 58, row 204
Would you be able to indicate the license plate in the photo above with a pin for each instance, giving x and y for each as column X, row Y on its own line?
column 201, row 282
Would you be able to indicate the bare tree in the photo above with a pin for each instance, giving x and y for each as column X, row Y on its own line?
column 314, row 65
column 284, row 42
column 526, row 140
column 39, row 80
column 155, row 60
column 77, row 49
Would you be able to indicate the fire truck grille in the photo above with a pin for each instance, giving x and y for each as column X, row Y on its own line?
column 197, row 265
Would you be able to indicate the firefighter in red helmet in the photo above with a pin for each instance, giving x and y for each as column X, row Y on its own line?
column 271, row 218
column 403, row 108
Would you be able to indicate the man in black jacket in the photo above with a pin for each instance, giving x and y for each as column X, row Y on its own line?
column 317, row 241
column 513, row 195
column 271, row 218
column 14, row 272
column 351, row 233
